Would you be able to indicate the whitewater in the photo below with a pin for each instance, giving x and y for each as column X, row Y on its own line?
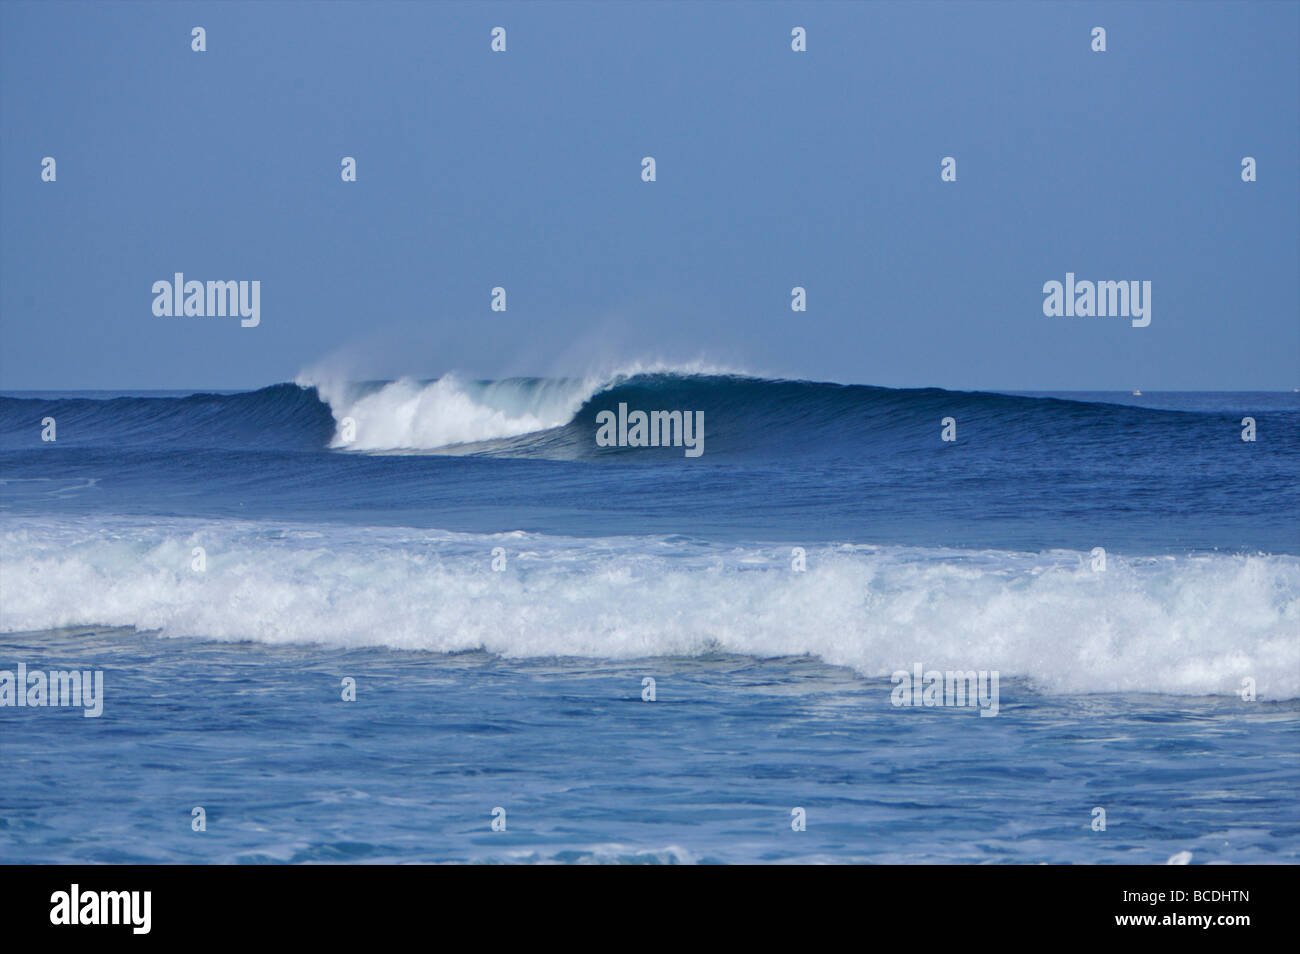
column 1195, row 625
column 416, row 415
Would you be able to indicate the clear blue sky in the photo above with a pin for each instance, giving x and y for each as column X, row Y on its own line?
column 775, row 169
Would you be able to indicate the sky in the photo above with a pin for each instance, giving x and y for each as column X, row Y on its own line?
column 522, row 169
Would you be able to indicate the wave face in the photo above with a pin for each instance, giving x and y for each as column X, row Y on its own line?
column 545, row 418
column 1194, row 625
column 283, row 416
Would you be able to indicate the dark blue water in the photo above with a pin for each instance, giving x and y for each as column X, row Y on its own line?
column 788, row 461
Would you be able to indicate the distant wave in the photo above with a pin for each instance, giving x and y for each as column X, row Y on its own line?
column 556, row 417
column 1186, row 625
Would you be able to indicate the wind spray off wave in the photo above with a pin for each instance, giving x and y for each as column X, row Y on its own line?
column 414, row 415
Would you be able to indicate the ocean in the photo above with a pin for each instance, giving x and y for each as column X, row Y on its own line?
column 438, row 621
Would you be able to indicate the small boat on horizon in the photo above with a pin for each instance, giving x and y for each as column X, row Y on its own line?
column 1137, row 393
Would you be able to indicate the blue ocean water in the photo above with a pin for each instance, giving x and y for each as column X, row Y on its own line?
column 500, row 587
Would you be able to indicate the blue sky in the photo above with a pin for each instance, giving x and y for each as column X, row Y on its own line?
column 522, row 169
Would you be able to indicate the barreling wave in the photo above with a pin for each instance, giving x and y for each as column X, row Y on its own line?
column 1194, row 625
column 556, row 417
column 536, row 417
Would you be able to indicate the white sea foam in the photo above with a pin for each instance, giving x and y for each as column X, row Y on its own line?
column 427, row 415
column 1186, row 625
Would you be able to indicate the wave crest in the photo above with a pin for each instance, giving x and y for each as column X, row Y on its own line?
column 413, row 415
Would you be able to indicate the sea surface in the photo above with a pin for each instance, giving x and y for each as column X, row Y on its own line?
column 629, row 654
